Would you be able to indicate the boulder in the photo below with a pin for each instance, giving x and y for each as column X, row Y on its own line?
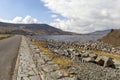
column 99, row 60
column 88, row 59
column 84, row 55
column 108, row 62
column 104, row 61
column 93, row 56
column 116, row 63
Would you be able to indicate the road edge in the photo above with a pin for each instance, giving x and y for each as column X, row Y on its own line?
column 15, row 73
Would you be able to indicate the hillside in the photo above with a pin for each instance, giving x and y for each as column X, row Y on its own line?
column 112, row 38
column 34, row 29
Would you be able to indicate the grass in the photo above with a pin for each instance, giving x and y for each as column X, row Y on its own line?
column 57, row 59
column 65, row 62
column 103, row 53
column 111, row 55
column 62, row 61
column 3, row 36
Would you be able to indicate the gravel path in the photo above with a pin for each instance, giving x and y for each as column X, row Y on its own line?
column 8, row 54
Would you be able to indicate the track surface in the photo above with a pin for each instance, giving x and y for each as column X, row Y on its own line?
column 8, row 55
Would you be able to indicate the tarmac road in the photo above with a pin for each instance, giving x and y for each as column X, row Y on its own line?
column 8, row 55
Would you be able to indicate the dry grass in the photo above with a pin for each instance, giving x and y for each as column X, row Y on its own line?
column 2, row 36
column 112, row 55
column 103, row 53
column 57, row 59
column 63, row 62
column 112, row 38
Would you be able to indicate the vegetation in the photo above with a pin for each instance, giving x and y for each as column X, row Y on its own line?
column 60, row 60
column 111, row 55
column 112, row 38
column 2, row 36
column 103, row 53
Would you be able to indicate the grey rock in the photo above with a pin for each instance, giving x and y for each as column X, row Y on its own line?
column 88, row 59
column 50, row 68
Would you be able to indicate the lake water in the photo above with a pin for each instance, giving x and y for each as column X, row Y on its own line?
column 70, row 37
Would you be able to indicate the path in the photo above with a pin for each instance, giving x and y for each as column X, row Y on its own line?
column 8, row 54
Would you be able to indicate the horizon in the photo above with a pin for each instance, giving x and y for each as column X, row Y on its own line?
column 79, row 16
column 55, row 27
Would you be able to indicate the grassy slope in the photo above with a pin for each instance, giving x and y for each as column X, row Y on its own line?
column 112, row 38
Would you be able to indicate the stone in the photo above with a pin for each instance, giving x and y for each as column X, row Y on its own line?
column 104, row 61
column 40, row 61
column 99, row 60
column 25, row 78
column 88, row 59
column 57, row 74
column 34, row 78
column 84, row 55
column 93, row 55
column 116, row 63
column 108, row 61
column 26, row 67
column 50, row 68
column 68, row 78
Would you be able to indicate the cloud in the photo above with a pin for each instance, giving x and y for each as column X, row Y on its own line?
column 54, row 16
column 26, row 20
column 85, row 16
column 17, row 20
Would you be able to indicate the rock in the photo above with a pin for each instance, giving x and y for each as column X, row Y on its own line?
column 104, row 61
column 58, row 74
column 99, row 60
column 67, row 78
column 93, row 56
column 88, row 59
column 107, row 61
column 84, row 55
column 116, row 63
column 37, row 51
column 50, row 68
column 34, row 78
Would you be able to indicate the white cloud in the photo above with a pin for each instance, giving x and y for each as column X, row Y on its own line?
column 29, row 19
column 57, row 20
column 26, row 20
column 54, row 16
column 85, row 16
column 17, row 20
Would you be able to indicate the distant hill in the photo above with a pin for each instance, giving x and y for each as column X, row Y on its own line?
column 104, row 32
column 31, row 29
column 112, row 38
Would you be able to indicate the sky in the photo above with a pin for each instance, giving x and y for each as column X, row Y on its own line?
column 81, row 16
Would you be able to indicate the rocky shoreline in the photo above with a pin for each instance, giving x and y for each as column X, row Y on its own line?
column 87, row 65
column 86, row 52
column 50, row 60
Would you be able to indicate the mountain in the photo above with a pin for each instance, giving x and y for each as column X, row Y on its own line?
column 32, row 29
column 112, row 38
column 103, row 32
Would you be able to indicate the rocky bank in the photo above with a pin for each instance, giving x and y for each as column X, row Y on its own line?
column 91, row 60
column 50, row 60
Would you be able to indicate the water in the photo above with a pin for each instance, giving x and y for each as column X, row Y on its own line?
column 71, row 38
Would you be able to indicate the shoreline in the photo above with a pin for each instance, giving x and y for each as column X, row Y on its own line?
column 51, row 61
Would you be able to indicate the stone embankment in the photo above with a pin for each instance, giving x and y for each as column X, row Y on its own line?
column 26, row 68
column 50, row 60
column 33, row 64
column 47, row 67
column 96, row 52
column 86, row 64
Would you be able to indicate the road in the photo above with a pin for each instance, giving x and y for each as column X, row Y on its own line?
column 8, row 55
